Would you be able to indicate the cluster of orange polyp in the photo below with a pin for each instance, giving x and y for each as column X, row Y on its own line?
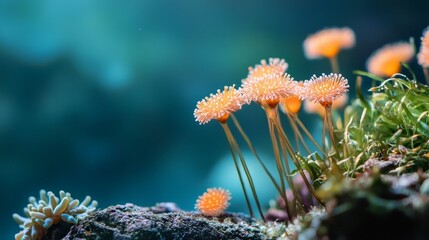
column 270, row 86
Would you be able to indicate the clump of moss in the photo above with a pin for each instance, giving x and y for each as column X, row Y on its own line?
column 389, row 129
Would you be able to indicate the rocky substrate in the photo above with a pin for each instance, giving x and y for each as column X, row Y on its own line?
column 372, row 206
column 163, row 221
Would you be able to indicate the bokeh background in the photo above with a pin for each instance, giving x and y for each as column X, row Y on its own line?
column 97, row 97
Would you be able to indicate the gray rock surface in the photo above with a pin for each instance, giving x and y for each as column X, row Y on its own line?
column 163, row 221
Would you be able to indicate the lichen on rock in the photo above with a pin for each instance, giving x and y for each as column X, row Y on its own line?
column 163, row 221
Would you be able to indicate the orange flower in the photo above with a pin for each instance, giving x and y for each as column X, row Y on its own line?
column 219, row 105
column 423, row 55
column 324, row 89
column 275, row 66
column 386, row 61
column 213, row 202
column 291, row 104
column 328, row 42
column 267, row 89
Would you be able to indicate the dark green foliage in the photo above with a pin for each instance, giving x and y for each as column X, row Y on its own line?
column 394, row 120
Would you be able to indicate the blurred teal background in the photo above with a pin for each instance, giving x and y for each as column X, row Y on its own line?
column 97, row 97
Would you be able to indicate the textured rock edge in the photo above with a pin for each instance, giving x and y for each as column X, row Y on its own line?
column 163, row 221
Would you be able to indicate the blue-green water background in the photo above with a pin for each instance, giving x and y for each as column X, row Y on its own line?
column 97, row 97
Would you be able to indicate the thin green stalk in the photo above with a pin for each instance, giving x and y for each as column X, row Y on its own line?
column 298, row 135
column 346, row 152
column 252, row 148
column 328, row 118
column 302, row 126
column 426, row 73
column 334, row 64
column 252, row 185
column 327, row 122
column 297, row 143
column 227, row 132
column 246, row 170
column 324, row 134
column 288, row 176
column 297, row 198
column 277, row 157
column 284, row 137
column 289, row 179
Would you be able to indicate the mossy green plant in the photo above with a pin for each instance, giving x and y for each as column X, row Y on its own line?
column 392, row 124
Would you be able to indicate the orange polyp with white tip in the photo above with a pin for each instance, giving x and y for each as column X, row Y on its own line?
column 328, row 42
column 218, row 106
column 213, row 202
column 386, row 61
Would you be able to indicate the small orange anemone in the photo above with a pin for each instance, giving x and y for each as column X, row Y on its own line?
column 268, row 89
column 324, row 89
column 274, row 66
column 218, row 106
column 213, row 202
column 386, row 61
column 423, row 55
column 328, row 42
